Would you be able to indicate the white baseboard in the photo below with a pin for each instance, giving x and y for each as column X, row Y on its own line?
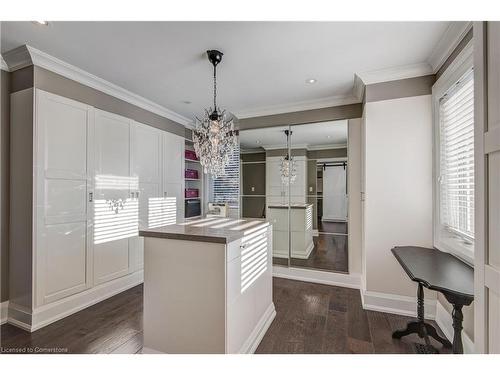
column 251, row 344
column 307, row 253
column 45, row 315
column 396, row 304
column 445, row 321
column 4, row 306
column 320, row 277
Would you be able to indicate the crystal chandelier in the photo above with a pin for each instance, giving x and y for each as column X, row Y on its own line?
column 214, row 136
column 288, row 166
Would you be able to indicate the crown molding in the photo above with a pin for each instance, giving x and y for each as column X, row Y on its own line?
column 25, row 55
column 358, row 89
column 3, row 64
column 305, row 105
column 395, row 73
column 448, row 42
column 333, row 146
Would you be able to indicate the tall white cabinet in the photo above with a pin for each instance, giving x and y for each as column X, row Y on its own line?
column 97, row 179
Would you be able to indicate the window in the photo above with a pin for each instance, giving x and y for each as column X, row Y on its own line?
column 454, row 193
column 226, row 189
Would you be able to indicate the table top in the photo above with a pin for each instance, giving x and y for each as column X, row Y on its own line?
column 437, row 270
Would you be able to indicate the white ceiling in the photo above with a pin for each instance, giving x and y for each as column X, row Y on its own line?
column 264, row 68
column 311, row 136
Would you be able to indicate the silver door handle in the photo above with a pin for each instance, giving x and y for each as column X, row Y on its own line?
column 91, row 197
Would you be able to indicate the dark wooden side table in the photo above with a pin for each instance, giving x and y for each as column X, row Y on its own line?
column 441, row 272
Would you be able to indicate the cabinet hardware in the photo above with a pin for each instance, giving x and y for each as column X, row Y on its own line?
column 91, row 197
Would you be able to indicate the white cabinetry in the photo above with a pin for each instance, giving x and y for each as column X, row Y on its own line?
column 115, row 217
column 63, row 171
column 83, row 181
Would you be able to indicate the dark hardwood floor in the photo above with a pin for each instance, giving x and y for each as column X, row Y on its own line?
column 310, row 318
column 332, row 227
column 329, row 253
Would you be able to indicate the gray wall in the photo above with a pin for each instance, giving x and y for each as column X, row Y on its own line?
column 303, row 117
column 57, row 84
column 4, row 184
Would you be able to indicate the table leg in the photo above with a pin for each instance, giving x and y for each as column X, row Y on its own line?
column 458, row 318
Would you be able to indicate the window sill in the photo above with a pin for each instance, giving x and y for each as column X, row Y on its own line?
column 457, row 248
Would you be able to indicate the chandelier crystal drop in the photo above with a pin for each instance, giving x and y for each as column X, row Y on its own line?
column 288, row 166
column 214, row 136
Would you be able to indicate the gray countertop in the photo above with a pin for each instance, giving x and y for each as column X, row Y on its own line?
column 303, row 206
column 214, row 229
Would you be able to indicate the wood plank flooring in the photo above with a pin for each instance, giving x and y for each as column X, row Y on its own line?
column 311, row 318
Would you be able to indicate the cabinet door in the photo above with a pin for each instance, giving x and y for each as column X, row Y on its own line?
column 173, row 177
column 145, row 162
column 115, row 211
column 63, row 242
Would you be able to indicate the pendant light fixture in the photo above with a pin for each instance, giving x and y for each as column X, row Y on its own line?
column 214, row 136
column 288, row 166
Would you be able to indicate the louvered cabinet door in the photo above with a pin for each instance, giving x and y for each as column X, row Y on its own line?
column 63, row 213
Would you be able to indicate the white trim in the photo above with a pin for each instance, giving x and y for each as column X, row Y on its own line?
column 305, row 105
column 445, row 321
column 396, row 304
column 326, row 147
column 25, row 55
column 253, row 341
column 52, row 312
column 460, row 65
column 4, row 308
column 3, row 64
column 319, row 277
column 358, row 88
column 447, row 44
column 395, row 73
column 309, row 249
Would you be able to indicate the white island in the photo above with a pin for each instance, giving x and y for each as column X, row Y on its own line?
column 207, row 286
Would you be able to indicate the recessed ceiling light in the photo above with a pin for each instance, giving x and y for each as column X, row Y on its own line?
column 258, row 142
column 328, row 136
column 43, row 23
column 311, row 81
column 186, row 102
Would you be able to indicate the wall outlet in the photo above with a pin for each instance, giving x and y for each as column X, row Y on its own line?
column 253, row 188
column 310, row 189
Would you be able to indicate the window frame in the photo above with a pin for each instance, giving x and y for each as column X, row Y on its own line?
column 443, row 239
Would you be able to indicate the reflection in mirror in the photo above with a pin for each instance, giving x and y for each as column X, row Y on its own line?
column 262, row 185
column 307, row 188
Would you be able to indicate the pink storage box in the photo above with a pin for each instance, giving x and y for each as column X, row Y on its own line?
column 190, row 154
column 191, row 193
column 191, row 173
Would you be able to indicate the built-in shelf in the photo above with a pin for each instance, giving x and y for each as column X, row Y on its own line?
column 192, row 179
column 192, row 198
column 192, row 161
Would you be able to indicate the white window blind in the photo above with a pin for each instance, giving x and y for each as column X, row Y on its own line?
column 456, row 115
column 226, row 188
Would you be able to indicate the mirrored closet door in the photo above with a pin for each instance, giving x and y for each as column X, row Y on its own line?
column 296, row 178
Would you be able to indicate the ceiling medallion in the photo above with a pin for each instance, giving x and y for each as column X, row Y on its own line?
column 214, row 136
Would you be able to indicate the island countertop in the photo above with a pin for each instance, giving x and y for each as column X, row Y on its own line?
column 211, row 229
column 299, row 205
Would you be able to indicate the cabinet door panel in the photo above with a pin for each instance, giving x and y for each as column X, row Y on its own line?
column 66, row 258
column 115, row 211
column 63, row 246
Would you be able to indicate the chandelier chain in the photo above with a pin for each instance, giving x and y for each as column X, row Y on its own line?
column 215, row 87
